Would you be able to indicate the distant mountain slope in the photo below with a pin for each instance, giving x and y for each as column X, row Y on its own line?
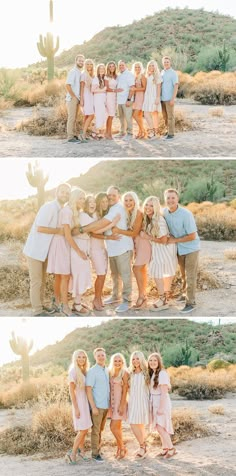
column 183, row 29
column 126, row 335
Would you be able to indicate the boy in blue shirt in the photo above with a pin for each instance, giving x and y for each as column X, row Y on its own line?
column 170, row 84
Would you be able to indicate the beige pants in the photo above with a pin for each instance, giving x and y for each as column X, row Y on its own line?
column 121, row 274
column 37, row 274
column 72, row 109
column 125, row 116
column 188, row 267
column 168, row 116
column 99, row 422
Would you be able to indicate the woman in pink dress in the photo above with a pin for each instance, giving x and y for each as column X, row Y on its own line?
column 86, row 95
column 152, row 99
column 118, row 393
column 96, row 208
column 138, row 90
column 112, row 90
column 99, row 100
column 80, row 406
column 141, row 246
column 59, row 257
column 160, row 404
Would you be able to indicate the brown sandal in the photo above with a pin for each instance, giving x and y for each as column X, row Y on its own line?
column 170, row 452
column 140, row 302
column 151, row 134
column 163, row 452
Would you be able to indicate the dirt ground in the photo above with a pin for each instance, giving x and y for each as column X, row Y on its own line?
column 211, row 137
column 210, row 302
column 212, row 455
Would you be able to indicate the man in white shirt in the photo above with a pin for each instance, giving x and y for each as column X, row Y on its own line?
column 73, row 98
column 124, row 100
column 37, row 246
column 119, row 251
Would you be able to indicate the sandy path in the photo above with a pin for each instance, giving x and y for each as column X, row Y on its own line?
column 211, row 137
column 213, row 455
column 210, row 303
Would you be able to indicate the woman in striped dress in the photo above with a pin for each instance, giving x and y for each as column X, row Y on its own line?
column 138, row 404
column 163, row 264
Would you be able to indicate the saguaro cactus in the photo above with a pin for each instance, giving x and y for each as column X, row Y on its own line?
column 46, row 45
column 37, row 179
column 21, row 347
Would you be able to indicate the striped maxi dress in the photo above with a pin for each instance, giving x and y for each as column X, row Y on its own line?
column 163, row 262
column 138, row 403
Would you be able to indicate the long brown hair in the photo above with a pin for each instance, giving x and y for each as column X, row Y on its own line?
column 101, row 77
column 108, row 73
column 157, row 371
column 99, row 197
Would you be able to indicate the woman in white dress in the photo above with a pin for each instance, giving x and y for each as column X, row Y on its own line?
column 160, row 404
column 152, row 99
column 138, row 403
column 99, row 101
column 163, row 264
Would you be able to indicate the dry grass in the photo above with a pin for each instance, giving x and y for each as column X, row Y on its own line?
column 200, row 384
column 214, row 87
column 51, row 432
column 217, row 409
column 216, row 112
column 230, row 254
column 215, row 221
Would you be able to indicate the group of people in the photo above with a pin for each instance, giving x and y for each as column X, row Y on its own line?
column 103, row 90
column 76, row 230
column 138, row 395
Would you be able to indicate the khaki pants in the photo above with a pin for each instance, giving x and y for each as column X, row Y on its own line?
column 168, row 116
column 125, row 116
column 37, row 274
column 188, row 267
column 72, row 109
column 99, row 422
column 121, row 271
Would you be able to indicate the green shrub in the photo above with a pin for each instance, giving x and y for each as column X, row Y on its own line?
column 217, row 364
column 200, row 391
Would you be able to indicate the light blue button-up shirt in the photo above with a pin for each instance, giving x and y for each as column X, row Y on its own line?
column 181, row 223
column 169, row 79
column 98, row 378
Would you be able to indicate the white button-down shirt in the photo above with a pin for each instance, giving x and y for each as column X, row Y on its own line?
column 124, row 80
column 73, row 79
column 37, row 244
column 118, row 247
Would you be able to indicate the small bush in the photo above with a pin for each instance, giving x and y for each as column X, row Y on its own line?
column 217, row 364
column 216, row 112
column 230, row 254
column 217, row 409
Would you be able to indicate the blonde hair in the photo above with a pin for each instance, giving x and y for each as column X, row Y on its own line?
column 80, row 373
column 151, row 225
column 143, row 366
column 74, row 197
column 141, row 69
column 88, row 77
column 156, row 74
column 131, row 217
column 112, row 369
column 157, row 371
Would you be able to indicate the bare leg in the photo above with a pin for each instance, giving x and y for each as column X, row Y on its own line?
column 64, row 288
column 139, row 432
column 165, row 437
column 140, row 273
column 116, row 429
column 149, row 118
column 98, row 286
column 109, row 127
column 87, row 123
column 138, row 116
column 160, row 285
column 78, row 443
column 57, row 288
column 155, row 118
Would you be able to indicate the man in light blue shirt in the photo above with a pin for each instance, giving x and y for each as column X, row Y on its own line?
column 125, row 81
column 98, row 393
column 169, row 90
column 73, row 97
column 183, row 231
